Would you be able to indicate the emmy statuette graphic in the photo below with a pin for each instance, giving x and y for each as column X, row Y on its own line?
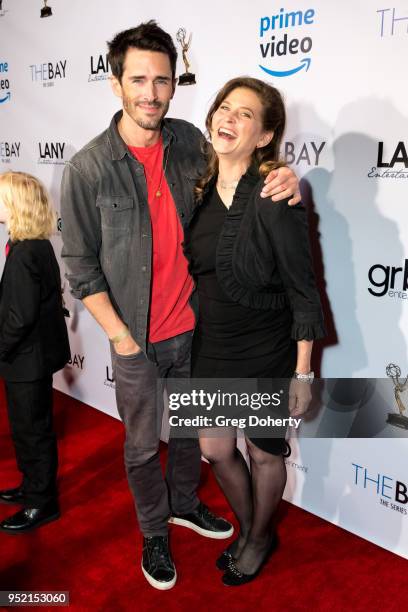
column 187, row 78
column 46, row 11
column 397, row 419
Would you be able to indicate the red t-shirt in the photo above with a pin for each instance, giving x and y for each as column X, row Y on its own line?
column 170, row 311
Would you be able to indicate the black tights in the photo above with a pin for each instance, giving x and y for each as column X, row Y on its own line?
column 253, row 495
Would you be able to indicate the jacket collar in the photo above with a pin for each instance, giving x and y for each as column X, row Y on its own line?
column 117, row 145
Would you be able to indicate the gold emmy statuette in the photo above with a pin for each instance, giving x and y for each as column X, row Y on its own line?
column 187, row 78
column 397, row 419
column 46, row 11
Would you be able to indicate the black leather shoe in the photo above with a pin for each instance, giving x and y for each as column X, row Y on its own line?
column 11, row 496
column 233, row 577
column 205, row 523
column 157, row 564
column 30, row 518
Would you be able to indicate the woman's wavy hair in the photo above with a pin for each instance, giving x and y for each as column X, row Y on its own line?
column 273, row 120
column 30, row 213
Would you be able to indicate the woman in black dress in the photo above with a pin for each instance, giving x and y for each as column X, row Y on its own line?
column 259, row 310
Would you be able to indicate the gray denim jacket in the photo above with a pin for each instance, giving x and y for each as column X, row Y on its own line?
column 106, row 227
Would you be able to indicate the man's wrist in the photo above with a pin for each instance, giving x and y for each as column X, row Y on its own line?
column 121, row 336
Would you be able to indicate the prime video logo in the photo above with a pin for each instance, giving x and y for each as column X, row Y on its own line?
column 5, row 93
column 276, row 41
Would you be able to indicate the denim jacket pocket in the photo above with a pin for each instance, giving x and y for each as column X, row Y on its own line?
column 116, row 211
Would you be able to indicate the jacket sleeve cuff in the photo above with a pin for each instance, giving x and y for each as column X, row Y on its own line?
column 81, row 290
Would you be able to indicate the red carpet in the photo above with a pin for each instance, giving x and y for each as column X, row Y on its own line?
column 93, row 551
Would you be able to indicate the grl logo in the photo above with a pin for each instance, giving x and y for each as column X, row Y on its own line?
column 276, row 41
column 389, row 280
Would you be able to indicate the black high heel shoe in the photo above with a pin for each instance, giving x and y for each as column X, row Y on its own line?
column 224, row 560
column 233, row 577
column 226, row 557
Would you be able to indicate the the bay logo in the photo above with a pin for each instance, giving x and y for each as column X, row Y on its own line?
column 9, row 151
column 48, row 73
column 51, row 153
column 391, row 23
column 99, row 68
column 77, row 361
column 307, row 153
column 276, row 41
column 392, row 163
column 392, row 493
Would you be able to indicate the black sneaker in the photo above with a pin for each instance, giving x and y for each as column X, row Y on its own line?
column 157, row 564
column 204, row 522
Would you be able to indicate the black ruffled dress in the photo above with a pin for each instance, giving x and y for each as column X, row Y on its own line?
column 256, row 288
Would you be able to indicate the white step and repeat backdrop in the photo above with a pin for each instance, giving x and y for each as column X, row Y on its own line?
column 341, row 69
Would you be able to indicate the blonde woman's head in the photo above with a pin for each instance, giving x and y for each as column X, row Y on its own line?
column 30, row 214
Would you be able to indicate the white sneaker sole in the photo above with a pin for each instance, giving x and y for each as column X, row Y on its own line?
column 215, row 535
column 156, row 584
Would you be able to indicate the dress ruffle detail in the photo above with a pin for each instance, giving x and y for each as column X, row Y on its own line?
column 248, row 296
column 308, row 331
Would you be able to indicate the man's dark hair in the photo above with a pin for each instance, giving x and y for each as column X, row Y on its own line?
column 148, row 37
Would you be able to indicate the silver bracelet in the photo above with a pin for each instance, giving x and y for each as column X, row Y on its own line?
column 308, row 378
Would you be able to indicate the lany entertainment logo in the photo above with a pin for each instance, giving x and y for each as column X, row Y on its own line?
column 99, row 68
column 392, row 164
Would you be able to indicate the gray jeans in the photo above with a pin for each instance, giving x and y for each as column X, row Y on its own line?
column 139, row 400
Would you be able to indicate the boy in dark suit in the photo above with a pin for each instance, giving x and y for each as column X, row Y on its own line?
column 33, row 345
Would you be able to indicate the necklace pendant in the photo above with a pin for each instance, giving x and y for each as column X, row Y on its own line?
column 158, row 193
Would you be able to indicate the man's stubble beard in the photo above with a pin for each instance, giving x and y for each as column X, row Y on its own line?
column 145, row 124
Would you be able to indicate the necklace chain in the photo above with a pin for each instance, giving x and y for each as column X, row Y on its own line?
column 159, row 192
column 227, row 185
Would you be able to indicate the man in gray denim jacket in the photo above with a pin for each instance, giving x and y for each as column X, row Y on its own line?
column 111, row 205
